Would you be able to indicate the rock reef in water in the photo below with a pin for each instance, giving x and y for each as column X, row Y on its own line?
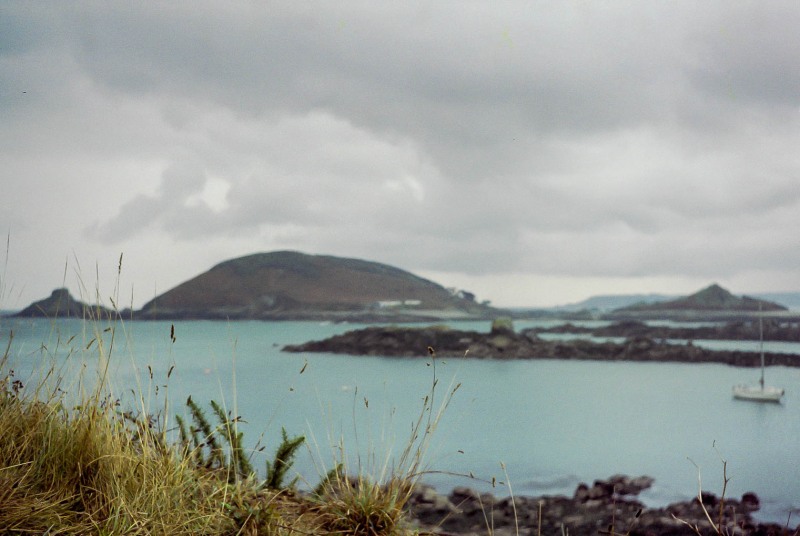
column 606, row 507
column 394, row 341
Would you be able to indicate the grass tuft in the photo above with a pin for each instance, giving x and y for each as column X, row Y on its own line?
column 372, row 500
column 359, row 506
column 89, row 470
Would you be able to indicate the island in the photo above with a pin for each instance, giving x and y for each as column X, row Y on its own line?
column 290, row 285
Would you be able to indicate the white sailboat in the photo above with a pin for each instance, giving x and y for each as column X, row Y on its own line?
column 760, row 392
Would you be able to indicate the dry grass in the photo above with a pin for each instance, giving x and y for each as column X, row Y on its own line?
column 87, row 469
column 360, row 506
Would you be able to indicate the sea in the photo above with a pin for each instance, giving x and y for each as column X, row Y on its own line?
column 524, row 427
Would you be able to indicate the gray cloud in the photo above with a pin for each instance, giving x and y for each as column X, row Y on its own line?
column 555, row 139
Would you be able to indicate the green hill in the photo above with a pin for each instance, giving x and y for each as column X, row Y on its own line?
column 293, row 285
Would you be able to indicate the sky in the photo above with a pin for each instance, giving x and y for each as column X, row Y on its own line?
column 534, row 153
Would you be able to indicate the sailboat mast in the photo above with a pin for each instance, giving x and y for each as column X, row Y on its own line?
column 761, row 344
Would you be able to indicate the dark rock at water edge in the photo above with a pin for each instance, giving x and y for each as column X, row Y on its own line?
column 606, row 507
column 393, row 341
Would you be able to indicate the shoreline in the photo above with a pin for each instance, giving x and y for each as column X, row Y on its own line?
column 606, row 506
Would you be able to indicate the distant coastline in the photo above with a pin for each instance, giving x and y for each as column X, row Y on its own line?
column 290, row 285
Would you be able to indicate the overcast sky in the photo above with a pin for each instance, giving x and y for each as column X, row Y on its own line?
column 534, row 153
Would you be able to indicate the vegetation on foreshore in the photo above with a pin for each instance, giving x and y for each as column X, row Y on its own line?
column 94, row 465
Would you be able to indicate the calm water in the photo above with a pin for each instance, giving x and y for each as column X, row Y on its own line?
column 551, row 423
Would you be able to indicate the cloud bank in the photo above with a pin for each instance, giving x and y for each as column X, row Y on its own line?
column 537, row 152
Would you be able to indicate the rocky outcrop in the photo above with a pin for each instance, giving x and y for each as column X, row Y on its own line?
column 506, row 344
column 606, row 507
column 61, row 304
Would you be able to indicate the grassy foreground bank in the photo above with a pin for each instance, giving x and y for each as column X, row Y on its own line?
column 92, row 466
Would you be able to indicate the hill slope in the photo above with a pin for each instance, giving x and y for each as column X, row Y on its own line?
column 289, row 284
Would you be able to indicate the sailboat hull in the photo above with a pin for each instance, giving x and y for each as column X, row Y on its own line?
column 758, row 393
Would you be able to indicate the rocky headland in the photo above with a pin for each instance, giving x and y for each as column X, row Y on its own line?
column 504, row 343
column 607, row 506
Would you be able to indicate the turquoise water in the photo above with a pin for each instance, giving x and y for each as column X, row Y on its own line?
column 550, row 423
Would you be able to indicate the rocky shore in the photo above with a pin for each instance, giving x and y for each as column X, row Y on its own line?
column 606, row 507
column 502, row 343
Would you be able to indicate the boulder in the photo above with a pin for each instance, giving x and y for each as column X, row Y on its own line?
column 502, row 325
column 751, row 501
